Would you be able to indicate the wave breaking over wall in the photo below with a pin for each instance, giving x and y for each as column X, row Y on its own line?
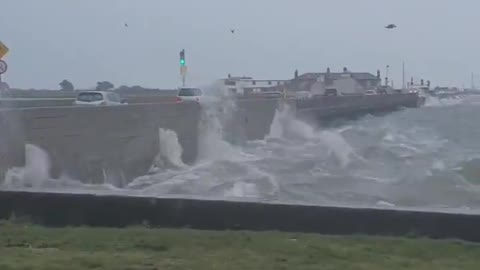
column 420, row 158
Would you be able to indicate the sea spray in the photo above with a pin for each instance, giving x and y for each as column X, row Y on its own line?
column 286, row 125
column 170, row 149
column 35, row 172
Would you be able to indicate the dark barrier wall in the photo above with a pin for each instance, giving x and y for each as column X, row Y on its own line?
column 112, row 211
column 95, row 143
column 28, row 103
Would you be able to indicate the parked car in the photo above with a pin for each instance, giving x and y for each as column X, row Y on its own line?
column 370, row 92
column 99, row 98
column 303, row 95
column 330, row 92
column 382, row 91
column 189, row 94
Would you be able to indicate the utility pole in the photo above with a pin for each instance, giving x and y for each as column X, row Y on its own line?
column 386, row 77
column 1, row 86
column 473, row 81
column 403, row 75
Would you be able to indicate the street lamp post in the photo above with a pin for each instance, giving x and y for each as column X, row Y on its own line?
column 386, row 76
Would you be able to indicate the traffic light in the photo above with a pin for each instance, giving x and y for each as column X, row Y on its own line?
column 182, row 57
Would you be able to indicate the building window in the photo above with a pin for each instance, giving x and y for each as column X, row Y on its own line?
column 230, row 82
column 254, row 82
column 248, row 90
column 269, row 82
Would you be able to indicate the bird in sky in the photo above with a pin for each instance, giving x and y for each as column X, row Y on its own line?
column 232, row 30
column 391, row 26
column 126, row 25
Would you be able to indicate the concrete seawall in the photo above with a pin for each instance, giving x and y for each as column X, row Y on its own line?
column 100, row 143
column 116, row 211
column 251, row 119
column 331, row 107
column 11, row 103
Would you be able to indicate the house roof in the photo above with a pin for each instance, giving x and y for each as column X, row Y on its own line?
column 338, row 75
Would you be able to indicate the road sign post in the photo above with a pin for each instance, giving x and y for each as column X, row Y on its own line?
column 3, row 67
column 3, row 64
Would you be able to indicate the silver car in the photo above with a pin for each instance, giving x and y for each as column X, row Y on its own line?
column 99, row 98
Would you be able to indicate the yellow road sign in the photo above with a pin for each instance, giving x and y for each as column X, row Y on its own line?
column 3, row 50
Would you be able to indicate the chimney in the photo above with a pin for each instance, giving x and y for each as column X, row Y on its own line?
column 421, row 82
column 345, row 70
column 328, row 70
column 296, row 74
column 411, row 81
column 229, row 76
column 378, row 74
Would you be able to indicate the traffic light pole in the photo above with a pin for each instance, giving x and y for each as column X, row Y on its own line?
column 183, row 73
column 183, row 67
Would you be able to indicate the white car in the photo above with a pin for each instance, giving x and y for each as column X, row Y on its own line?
column 370, row 92
column 189, row 94
column 303, row 95
column 99, row 98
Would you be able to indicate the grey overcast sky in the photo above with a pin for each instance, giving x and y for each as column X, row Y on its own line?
column 86, row 41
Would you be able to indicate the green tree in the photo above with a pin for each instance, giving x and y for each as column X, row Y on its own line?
column 104, row 86
column 66, row 86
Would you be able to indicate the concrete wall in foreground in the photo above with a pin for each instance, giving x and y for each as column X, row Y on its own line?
column 100, row 143
column 116, row 211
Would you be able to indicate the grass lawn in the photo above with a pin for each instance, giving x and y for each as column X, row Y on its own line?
column 35, row 247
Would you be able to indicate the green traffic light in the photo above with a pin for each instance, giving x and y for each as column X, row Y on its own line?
column 182, row 62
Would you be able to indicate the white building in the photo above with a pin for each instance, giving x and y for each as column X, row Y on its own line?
column 343, row 83
column 247, row 85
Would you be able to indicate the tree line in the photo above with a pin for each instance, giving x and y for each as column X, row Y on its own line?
column 66, row 85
